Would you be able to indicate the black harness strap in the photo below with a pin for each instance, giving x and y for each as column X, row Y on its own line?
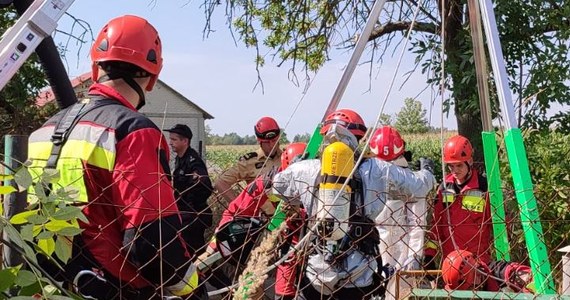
column 327, row 178
column 61, row 133
column 68, row 122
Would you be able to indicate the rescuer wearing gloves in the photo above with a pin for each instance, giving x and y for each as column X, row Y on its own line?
column 117, row 160
column 402, row 220
column 343, row 263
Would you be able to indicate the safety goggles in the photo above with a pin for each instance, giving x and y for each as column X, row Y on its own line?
column 345, row 124
column 268, row 135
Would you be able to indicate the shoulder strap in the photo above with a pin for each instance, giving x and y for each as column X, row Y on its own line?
column 68, row 122
column 357, row 197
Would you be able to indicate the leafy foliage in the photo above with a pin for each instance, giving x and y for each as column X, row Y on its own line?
column 235, row 139
column 223, row 157
column 551, row 190
column 534, row 35
column 45, row 228
column 302, row 137
column 412, row 118
column 386, row 119
column 18, row 111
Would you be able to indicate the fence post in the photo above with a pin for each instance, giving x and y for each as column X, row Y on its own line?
column 565, row 290
column 15, row 153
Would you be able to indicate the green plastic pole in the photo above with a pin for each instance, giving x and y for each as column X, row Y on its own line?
column 314, row 143
column 529, row 212
column 496, row 196
column 516, row 153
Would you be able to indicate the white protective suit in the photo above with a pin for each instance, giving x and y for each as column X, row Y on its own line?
column 402, row 220
column 299, row 182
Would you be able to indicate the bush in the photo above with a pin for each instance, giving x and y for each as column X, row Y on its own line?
column 547, row 154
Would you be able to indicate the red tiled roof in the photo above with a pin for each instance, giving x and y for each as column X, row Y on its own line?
column 47, row 96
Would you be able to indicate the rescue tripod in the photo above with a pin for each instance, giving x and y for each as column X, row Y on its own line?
column 541, row 269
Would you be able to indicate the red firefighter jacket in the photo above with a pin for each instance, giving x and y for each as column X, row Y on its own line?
column 462, row 218
column 118, row 160
column 248, row 204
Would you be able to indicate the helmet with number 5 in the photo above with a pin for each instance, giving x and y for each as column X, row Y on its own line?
column 387, row 144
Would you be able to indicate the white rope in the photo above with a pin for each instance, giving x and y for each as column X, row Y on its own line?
column 390, row 86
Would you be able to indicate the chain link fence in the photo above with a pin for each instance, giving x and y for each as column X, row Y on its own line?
column 299, row 258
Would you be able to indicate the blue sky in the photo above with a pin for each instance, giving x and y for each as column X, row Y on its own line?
column 220, row 76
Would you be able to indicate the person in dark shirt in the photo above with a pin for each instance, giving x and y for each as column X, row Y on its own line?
column 192, row 187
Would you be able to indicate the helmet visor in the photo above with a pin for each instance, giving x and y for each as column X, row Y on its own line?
column 268, row 135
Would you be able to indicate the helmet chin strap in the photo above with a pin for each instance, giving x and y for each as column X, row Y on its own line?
column 135, row 86
column 129, row 79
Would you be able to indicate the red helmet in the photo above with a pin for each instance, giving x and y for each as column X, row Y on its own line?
column 346, row 118
column 129, row 39
column 267, row 129
column 459, row 270
column 290, row 152
column 387, row 143
column 457, row 149
column 520, row 277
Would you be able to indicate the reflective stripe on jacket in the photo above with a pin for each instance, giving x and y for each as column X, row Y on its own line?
column 462, row 221
column 117, row 160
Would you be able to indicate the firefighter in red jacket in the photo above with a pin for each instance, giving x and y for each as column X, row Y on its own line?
column 461, row 270
column 117, row 160
column 252, row 203
column 462, row 215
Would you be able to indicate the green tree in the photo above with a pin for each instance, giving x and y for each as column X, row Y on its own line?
column 534, row 35
column 304, row 138
column 250, row 140
column 412, row 117
column 209, row 137
column 283, row 140
column 19, row 113
column 385, row 119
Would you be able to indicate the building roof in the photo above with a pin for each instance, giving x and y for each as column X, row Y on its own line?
column 47, row 96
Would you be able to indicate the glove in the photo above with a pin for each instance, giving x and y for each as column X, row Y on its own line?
column 388, row 271
column 187, row 285
column 268, row 178
column 428, row 263
column 427, row 164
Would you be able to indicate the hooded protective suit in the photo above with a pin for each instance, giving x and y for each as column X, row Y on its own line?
column 352, row 267
column 402, row 221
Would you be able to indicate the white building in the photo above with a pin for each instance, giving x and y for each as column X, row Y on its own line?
column 164, row 106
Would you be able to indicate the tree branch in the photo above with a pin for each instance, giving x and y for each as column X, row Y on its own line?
column 402, row 26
